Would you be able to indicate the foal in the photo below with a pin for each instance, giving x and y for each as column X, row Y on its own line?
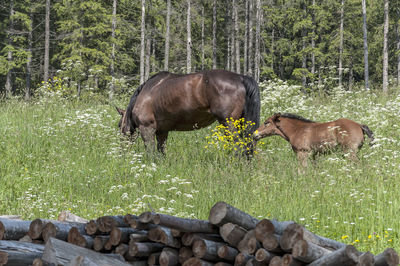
column 309, row 138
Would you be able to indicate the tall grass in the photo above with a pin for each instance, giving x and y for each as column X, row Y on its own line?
column 66, row 155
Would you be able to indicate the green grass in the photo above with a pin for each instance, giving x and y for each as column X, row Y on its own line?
column 59, row 155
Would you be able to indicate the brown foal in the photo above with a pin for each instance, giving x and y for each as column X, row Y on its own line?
column 309, row 138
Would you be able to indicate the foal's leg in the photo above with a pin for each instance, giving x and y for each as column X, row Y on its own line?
column 302, row 157
column 161, row 139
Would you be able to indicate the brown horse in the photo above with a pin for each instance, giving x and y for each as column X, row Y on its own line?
column 168, row 102
column 309, row 138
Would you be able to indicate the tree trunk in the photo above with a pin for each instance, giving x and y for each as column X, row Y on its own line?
column 9, row 54
column 166, row 54
column 304, row 59
column 29, row 60
column 347, row 255
column 313, row 41
column 308, row 252
column 60, row 230
column 237, row 38
column 366, row 71
column 113, row 27
column 214, row 40
column 47, row 43
column 246, row 33
column 19, row 253
column 222, row 213
column 233, row 36
column 228, row 37
column 257, row 44
column 250, row 47
column 184, row 224
column 385, row 47
column 189, row 41
column 202, row 35
column 398, row 49
column 142, row 41
column 13, row 229
column 341, row 44
column 147, row 60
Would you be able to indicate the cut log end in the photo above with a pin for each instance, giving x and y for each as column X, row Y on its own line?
column 218, row 213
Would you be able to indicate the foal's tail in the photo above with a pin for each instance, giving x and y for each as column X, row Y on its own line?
column 366, row 130
column 251, row 110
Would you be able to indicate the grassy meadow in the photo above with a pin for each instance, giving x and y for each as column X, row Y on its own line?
column 59, row 155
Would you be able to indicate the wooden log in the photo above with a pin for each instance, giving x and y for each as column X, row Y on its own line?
column 25, row 238
column 288, row 260
column 39, row 262
column 154, row 259
column 189, row 238
column 276, row 261
column 108, row 246
column 197, row 262
column 242, row 258
column 295, row 232
column 185, row 253
column 227, row 253
column 19, row 253
column 366, row 259
column 60, row 230
column 263, row 228
column 347, row 255
column 254, row 262
column 60, row 252
column 271, row 243
column 36, row 228
column 123, row 250
column 388, row 257
column 107, row 223
column 206, row 249
column 146, row 217
column 91, row 228
column 163, row 235
column 75, row 237
column 67, row 216
column 280, row 226
column 12, row 229
column 308, row 252
column 144, row 249
column 130, row 217
column 264, row 256
column 176, row 233
column 169, row 257
column 249, row 243
column 139, row 237
column 136, row 224
column 184, row 224
column 99, row 242
column 222, row 264
column 232, row 233
column 122, row 234
column 222, row 213
column 11, row 217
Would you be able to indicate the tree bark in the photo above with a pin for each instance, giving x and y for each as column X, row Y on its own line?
column 398, row 48
column 167, row 34
column 142, row 41
column 184, row 224
column 77, row 238
column 257, row 42
column 29, row 59
column 250, row 47
column 113, row 27
column 36, row 228
column 60, row 230
column 227, row 253
column 228, row 36
column 185, row 253
column 385, row 81
column 197, row 262
column 107, row 223
column 188, row 41
column 163, row 235
column 144, row 249
column 154, row 258
column 99, row 242
column 9, row 85
column 347, row 255
column 242, row 258
column 263, row 229
column 147, row 57
column 202, row 35
column 246, row 33
column 19, row 253
column 214, row 38
column 237, row 38
column 271, row 243
column 13, row 229
column 249, row 243
column 46, row 43
column 366, row 71
column 222, row 213
column 206, row 249
column 122, row 235
column 189, row 238
column 341, row 44
column 288, row 260
column 308, row 252
column 264, row 256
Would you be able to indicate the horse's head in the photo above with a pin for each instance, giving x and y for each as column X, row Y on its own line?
column 124, row 124
column 269, row 127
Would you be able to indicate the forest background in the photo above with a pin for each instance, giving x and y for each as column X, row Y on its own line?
column 104, row 48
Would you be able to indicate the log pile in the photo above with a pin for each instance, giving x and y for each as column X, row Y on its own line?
column 229, row 237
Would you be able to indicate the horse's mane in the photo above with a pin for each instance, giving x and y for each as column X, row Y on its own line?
column 293, row 116
column 135, row 95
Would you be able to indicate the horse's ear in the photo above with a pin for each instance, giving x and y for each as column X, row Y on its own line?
column 276, row 117
column 120, row 111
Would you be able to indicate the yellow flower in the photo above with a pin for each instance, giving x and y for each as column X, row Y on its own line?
column 369, row 237
column 356, row 240
column 345, row 236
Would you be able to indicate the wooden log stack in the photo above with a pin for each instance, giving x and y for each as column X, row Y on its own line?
column 229, row 237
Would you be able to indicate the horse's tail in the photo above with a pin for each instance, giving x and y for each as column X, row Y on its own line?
column 251, row 111
column 366, row 130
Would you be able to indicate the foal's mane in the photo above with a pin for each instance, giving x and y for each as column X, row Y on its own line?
column 297, row 117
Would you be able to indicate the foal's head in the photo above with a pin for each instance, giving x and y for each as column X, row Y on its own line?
column 123, row 123
column 269, row 127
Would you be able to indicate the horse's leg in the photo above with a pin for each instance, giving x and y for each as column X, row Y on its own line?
column 161, row 139
column 302, row 157
column 148, row 134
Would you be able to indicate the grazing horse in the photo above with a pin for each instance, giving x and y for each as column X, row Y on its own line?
column 181, row 102
column 309, row 138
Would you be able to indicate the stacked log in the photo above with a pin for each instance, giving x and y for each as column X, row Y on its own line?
column 229, row 237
